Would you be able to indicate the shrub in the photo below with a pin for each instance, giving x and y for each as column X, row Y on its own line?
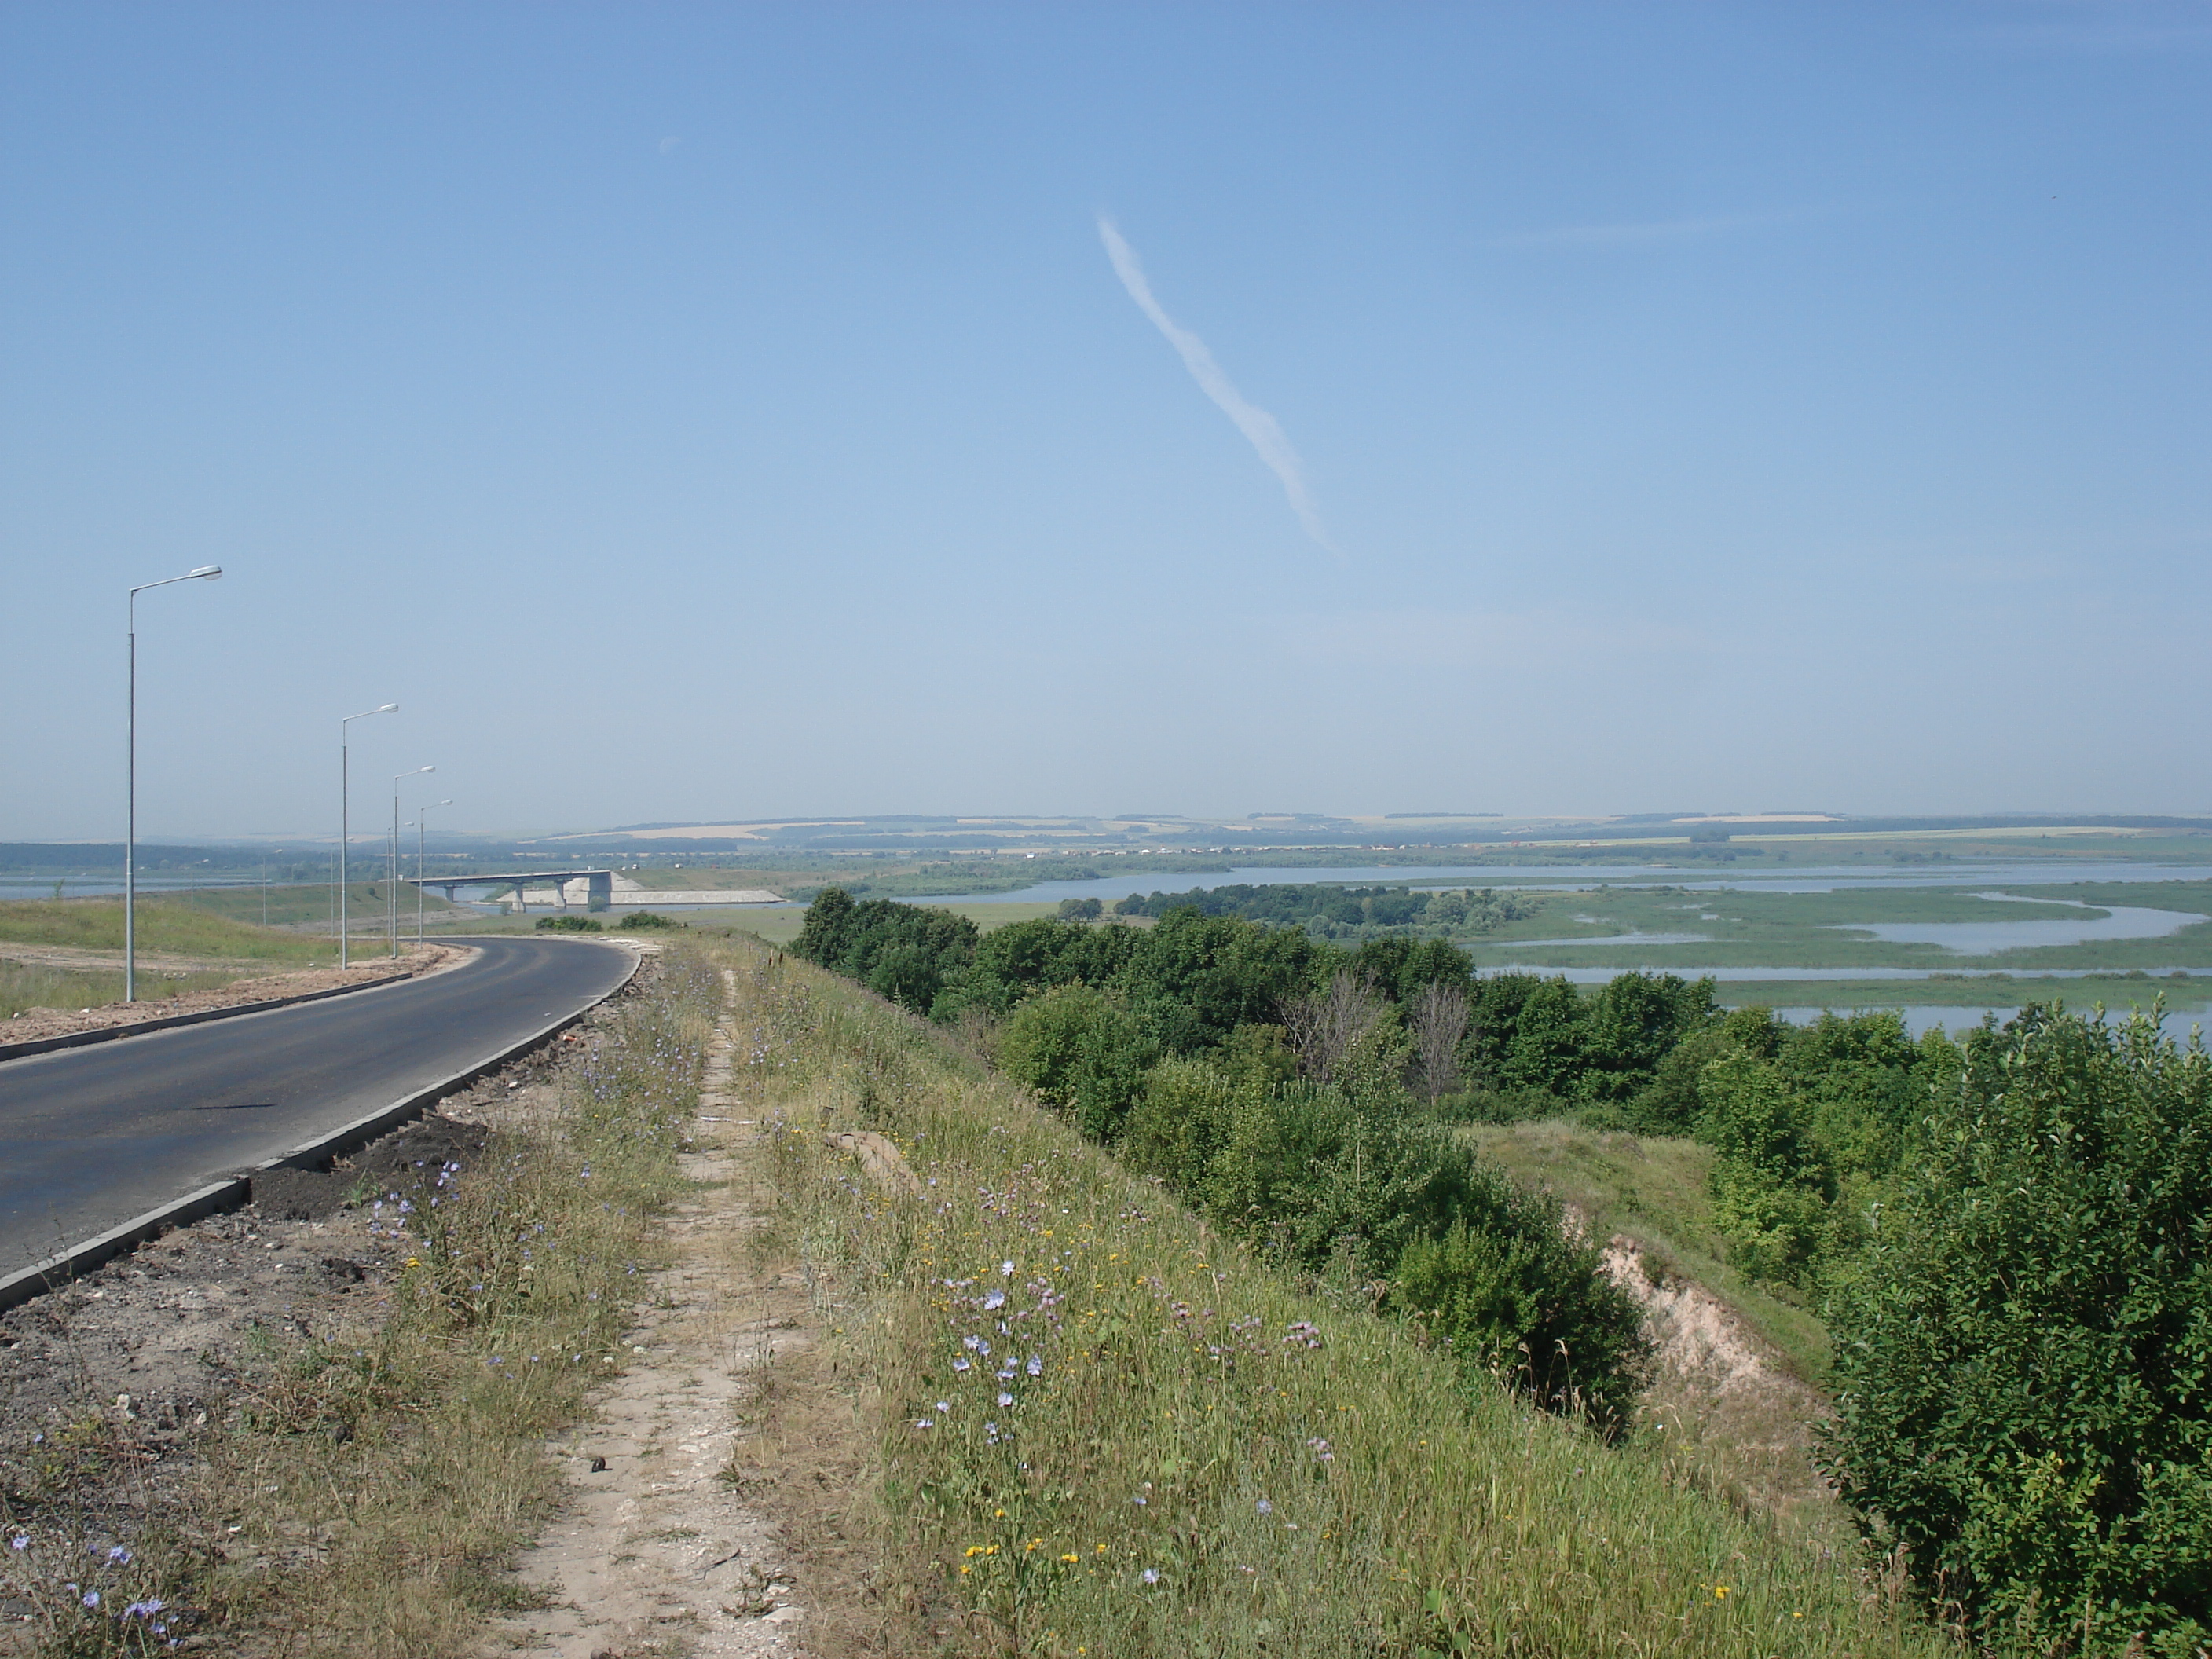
column 1081, row 1049
column 2025, row 1361
column 1515, row 1295
column 902, row 951
column 643, row 920
column 567, row 925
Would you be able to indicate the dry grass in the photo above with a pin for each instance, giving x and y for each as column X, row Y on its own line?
column 29, row 985
column 1154, row 1443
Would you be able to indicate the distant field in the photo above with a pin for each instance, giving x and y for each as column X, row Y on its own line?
column 782, row 927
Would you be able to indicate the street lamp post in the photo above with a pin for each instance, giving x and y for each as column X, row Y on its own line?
column 421, row 812
column 394, row 895
column 345, row 819
column 206, row 573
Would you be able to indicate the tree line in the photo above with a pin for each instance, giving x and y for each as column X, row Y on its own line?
column 1330, row 910
column 2009, row 1236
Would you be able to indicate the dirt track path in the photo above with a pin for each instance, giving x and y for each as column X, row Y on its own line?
column 658, row 1552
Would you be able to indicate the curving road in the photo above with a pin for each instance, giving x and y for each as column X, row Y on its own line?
column 90, row 1138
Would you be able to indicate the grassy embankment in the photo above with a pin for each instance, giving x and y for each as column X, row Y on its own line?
column 1158, row 1444
column 193, row 947
column 407, row 1450
column 312, row 906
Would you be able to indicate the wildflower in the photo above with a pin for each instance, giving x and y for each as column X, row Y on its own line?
column 993, row 1303
column 91, row 1598
column 944, row 1406
column 1035, row 1367
column 1266, row 1508
column 1005, row 1399
column 1149, row 1576
column 924, row 1422
column 961, row 1365
column 120, row 1554
column 1720, row 1592
column 145, row 1609
column 1005, row 1270
column 20, row 1542
column 1071, row 1560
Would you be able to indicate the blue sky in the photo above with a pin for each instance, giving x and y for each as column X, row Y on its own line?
column 696, row 411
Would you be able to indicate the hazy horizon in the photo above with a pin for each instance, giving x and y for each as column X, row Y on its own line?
column 693, row 410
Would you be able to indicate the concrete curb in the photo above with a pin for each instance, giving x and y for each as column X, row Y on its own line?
column 109, row 1033
column 237, row 1191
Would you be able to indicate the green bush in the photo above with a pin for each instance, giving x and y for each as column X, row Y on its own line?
column 905, row 952
column 2024, row 1361
column 644, row 920
column 567, row 925
column 1083, row 1050
column 1514, row 1295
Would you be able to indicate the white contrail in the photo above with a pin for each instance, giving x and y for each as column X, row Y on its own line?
column 1264, row 431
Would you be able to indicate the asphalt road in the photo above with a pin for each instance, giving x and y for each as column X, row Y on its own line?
column 91, row 1137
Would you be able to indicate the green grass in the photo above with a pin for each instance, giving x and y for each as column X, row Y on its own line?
column 312, row 905
column 1970, row 992
column 27, row 985
column 169, row 925
column 1334, row 1493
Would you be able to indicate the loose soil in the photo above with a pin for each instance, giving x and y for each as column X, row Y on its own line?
column 715, row 1484
column 1719, row 1390
column 33, row 1024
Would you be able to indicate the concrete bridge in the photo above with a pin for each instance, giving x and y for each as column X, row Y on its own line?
column 599, row 886
column 601, row 889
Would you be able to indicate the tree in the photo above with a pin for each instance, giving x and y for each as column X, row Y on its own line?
column 904, row 951
column 1631, row 1025
column 1082, row 1050
column 2025, row 1361
column 1438, row 1022
column 1325, row 1025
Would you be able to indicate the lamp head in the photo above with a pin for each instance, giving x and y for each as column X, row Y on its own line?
column 206, row 573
